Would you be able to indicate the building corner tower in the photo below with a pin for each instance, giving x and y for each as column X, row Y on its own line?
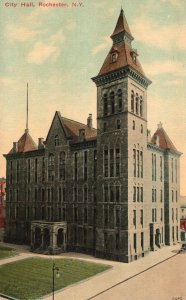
column 122, row 229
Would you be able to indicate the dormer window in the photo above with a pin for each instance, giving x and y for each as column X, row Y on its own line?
column 56, row 140
column 114, row 57
column 134, row 55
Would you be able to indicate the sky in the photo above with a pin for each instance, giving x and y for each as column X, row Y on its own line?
column 57, row 50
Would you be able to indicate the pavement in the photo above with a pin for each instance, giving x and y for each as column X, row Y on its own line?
column 102, row 286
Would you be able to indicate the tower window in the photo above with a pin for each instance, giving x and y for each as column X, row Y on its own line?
column 141, row 106
column 132, row 101
column 105, row 104
column 118, row 124
column 104, row 127
column 133, row 125
column 137, row 104
column 119, row 100
column 112, row 102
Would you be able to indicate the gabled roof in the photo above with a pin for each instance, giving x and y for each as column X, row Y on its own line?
column 72, row 127
column 25, row 143
column 122, row 25
column 164, row 141
column 124, row 59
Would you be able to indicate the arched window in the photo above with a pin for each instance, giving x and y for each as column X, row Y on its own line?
column 51, row 159
column 114, row 57
column 119, row 94
column 112, row 102
column 137, row 104
column 132, row 101
column 62, row 165
column 105, row 104
column 56, row 140
column 141, row 106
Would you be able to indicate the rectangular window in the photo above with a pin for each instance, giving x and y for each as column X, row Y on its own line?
column 117, row 241
column 142, row 241
column 141, row 194
column 17, row 172
column 134, row 218
column 106, row 216
column 138, row 164
column 85, row 215
column 95, row 163
column 85, row 193
column 176, row 170
column 134, row 194
column 75, row 165
column 161, row 195
column 29, row 169
column 172, row 170
column 111, row 162
column 161, row 168
column 153, row 215
column 106, row 162
column 75, row 194
column 117, row 162
column 35, row 170
column 106, row 194
column 135, row 242
column 43, row 169
column 152, row 195
column 134, row 162
column 75, row 214
column 85, row 165
column 161, row 218
column 117, row 217
column 64, row 214
column 117, row 193
column 173, row 214
column 172, row 196
column 138, row 194
column 141, row 164
column 111, row 193
column 64, row 194
column 141, row 217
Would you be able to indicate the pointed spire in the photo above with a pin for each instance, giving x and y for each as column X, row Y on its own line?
column 26, row 130
column 122, row 26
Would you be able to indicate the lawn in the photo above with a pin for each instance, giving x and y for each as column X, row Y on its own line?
column 6, row 252
column 32, row 278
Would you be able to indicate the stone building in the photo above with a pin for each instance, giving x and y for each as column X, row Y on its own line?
column 2, row 206
column 112, row 192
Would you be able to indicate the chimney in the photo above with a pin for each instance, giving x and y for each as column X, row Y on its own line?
column 15, row 147
column 41, row 143
column 148, row 136
column 89, row 121
column 160, row 125
column 81, row 135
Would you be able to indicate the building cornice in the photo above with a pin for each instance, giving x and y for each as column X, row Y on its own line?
column 122, row 73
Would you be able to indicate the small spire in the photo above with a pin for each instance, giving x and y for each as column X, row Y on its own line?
column 26, row 130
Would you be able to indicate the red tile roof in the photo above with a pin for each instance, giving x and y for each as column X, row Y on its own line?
column 164, row 141
column 25, row 143
column 72, row 128
column 122, row 25
column 124, row 59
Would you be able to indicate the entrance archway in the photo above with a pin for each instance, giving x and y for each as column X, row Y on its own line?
column 38, row 238
column 60, row 238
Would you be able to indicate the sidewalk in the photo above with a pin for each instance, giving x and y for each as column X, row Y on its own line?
column 90, row 287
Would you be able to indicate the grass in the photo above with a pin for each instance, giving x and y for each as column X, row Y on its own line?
column 32, row 278
column 6, row 252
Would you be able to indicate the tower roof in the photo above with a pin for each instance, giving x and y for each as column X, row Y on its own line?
column 122, row 48
column 122, row 25
column 25, row 143
column 163, row 139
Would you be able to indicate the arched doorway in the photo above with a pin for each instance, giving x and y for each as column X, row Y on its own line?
column 60, row 238
column 38, row 238
column 46, row 238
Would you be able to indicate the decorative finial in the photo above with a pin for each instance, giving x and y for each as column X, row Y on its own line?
column 26, row 130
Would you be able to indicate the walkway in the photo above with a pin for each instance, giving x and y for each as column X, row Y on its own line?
column 95, row 285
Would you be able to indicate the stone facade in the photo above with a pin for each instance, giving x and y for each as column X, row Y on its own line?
column 116, row 189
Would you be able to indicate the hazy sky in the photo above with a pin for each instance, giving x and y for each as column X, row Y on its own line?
column 58, row 50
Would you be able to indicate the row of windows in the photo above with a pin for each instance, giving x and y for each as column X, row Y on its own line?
column 138, row 163
column 137, row 194
column 136, row 104
column 118, row 126
column 108, row 213
column 111, row 193
column 112, row 103
column 154, row 215
column 134, row 126
column 112, row 160
column 154, row 195
column 154, row 168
